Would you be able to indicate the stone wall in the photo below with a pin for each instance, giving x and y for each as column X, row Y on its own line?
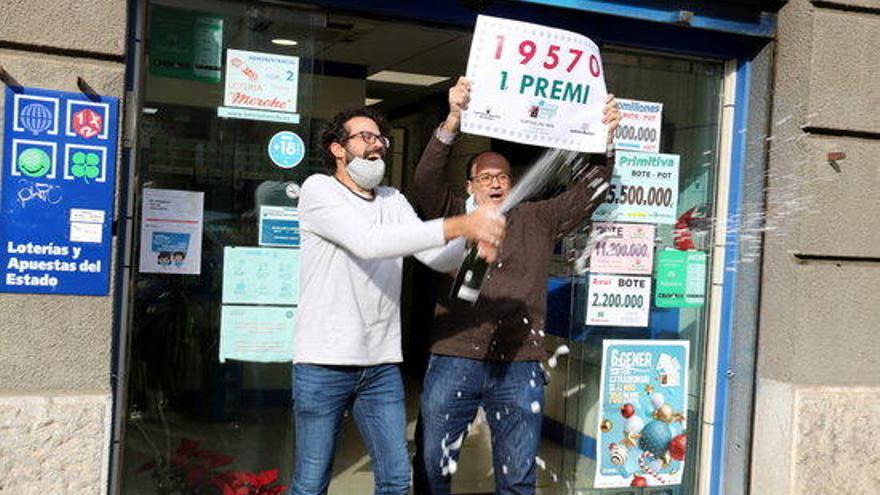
column 55, row 351
column 818, row 372
column 53, row 444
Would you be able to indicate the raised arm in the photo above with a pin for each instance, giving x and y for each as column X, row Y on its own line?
column 435, row 196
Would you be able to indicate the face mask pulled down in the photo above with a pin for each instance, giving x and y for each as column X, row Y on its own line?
column 366, row 173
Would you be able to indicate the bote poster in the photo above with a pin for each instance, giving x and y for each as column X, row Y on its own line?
column 640, row 125
column 643, row 189
column 618, row 300
column 642, row 421
column 623, row 249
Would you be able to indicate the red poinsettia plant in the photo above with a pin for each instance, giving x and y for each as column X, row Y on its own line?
column 191, row 470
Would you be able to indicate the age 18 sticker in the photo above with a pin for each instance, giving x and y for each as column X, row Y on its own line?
column 286, row 149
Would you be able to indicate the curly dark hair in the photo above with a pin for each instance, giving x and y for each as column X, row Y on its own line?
column 334, row 130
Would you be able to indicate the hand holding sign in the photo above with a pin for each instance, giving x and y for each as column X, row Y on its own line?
column 459, row 97
column 535, row 85
column 611, row 117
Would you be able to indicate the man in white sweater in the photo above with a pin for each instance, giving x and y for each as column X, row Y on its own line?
column 347, row 340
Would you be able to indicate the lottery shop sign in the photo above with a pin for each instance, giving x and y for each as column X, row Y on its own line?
column 56, row 192
column 261, row 81
column 535, row 85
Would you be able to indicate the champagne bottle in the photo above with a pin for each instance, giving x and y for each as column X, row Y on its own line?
column 470, row 277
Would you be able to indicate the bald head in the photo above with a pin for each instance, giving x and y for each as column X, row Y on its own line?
column 488, row 160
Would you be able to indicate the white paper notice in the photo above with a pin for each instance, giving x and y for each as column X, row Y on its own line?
column 639, row 128
column 535, row 85
column 86, row 225
column 171, row 231
column 88, row 216
column 86, row 232
column 618, row 301
column 261, row 81
column 261, row 334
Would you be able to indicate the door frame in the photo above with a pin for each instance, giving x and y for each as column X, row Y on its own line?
column 744, row 121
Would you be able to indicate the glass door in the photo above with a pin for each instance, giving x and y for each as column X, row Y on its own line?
column 228, row 88
column 690, row 91
column 192, row 420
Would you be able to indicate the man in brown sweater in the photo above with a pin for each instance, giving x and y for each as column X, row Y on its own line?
column 488, row 354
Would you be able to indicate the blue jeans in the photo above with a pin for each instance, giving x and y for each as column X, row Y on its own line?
column 510, row 393
column 374, row 394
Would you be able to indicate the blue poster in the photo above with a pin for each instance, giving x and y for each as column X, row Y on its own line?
column 279, row 226
column 56, row 192
column 642, row 430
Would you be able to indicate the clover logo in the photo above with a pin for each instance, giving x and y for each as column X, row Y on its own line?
column 85, row 165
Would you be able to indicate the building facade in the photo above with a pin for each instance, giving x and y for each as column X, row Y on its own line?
column 768, row 105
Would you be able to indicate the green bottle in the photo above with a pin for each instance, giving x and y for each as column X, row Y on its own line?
column 470, row 277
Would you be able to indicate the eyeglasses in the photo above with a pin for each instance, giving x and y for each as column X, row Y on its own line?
column 486, row 179
column 370, row 138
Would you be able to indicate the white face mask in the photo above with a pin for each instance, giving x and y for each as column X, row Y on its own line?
column 366, row 173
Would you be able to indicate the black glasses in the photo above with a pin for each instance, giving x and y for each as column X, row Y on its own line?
column 486, row 179
column 370, row 138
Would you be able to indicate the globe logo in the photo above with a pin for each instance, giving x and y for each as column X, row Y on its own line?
column 36, row 118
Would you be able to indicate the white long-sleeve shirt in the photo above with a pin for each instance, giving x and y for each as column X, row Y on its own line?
column 350, row 271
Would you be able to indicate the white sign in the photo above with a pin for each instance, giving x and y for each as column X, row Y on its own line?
column 623, row 249
column 643, row 189
column 86, row 225
column 88, row 216
column 535, row 85
column 261, row 81
column 171, row 231
column 86, row 232
column 639, row 128
column 618, row 301
column 245, row 114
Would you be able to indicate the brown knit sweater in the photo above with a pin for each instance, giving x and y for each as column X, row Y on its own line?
column 507, row 322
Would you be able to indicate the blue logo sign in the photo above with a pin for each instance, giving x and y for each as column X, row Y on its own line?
column 56, row 213
column 286, row 149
